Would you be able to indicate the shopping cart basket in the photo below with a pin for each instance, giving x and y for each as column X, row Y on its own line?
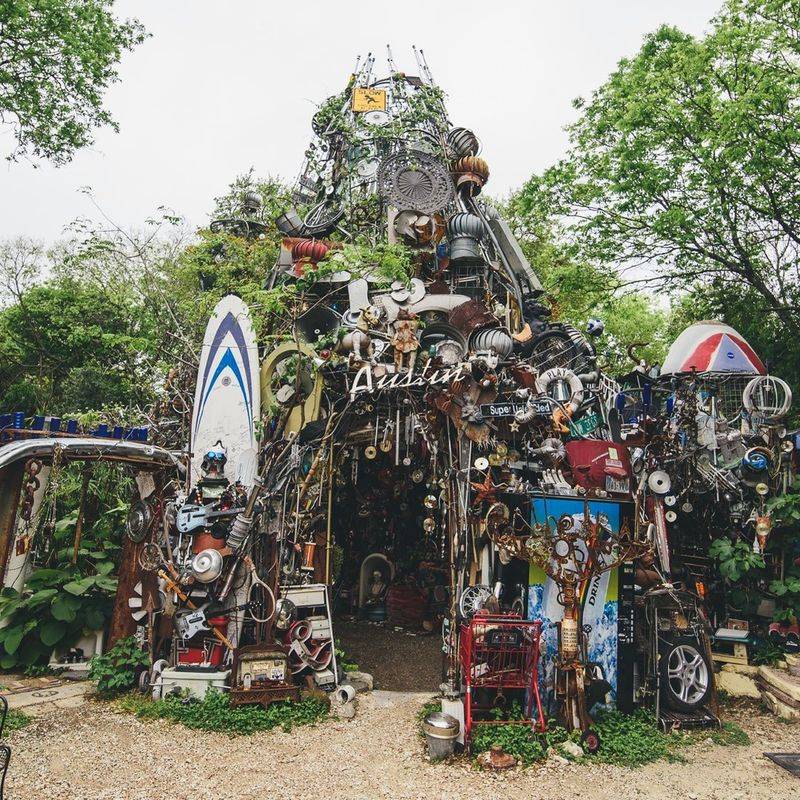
column 499, row 653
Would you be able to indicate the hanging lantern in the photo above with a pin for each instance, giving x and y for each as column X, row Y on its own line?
column 307, row 251
column 462, row 142
column 763, row 529
column 464, row 232
column 471, row 173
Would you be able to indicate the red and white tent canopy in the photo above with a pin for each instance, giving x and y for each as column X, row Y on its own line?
column 712, row 347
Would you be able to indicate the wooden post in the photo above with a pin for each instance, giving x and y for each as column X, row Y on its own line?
column 328, row 530
column 129, row 574
column 87, row 474
column 10, row 489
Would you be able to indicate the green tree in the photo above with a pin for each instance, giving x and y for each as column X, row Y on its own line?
column 579, row 291
column 67, row 347
column 57, row 58
column 683, row 164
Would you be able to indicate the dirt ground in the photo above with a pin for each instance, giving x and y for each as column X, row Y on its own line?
column 92, row 753
column 397, row 660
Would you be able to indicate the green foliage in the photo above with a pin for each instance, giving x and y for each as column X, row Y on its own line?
column 116, row 670
column 766, row 652
column 343, row 660
column 516, row 740
column 422, row 106
column 631, row 740
column 219, row 264
column 61, row 600
column 41, row 671
column 429, row 707
column 215, row 713
column 390, row 262
column 580, row 291
column 275, row 197
column 730, row 735
column 785, row 507
column 627, row 740
column 681, row 163
column 65, row 344
column 59, row 57
column 735, row 559
column 17, row 719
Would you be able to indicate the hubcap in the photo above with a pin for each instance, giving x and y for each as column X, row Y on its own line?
column 688, row 673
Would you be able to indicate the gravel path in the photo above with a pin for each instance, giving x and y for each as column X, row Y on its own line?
column 398, row 661
column 92, row 753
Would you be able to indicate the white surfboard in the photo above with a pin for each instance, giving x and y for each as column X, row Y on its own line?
column 227, row 401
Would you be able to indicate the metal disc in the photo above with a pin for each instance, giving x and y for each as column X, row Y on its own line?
column 414, row 180
column 377, row 118
column 138, row 522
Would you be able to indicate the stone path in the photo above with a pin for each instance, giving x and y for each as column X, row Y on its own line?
column 93, row 753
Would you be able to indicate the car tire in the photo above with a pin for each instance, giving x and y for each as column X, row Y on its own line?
column 685, row 674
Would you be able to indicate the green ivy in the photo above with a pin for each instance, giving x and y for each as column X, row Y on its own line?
column 17, row 719
column 390, row 262
column 215, row 713
column 516, row 740
column 116, row 670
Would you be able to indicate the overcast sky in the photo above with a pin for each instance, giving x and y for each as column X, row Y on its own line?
column 222, row 86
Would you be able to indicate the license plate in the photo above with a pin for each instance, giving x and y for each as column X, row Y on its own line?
column 617, row 485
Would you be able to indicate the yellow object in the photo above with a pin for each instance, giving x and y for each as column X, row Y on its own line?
column 365, row 99
column 302, row 413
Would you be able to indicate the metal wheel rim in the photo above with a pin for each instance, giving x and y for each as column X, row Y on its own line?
column 688, row 674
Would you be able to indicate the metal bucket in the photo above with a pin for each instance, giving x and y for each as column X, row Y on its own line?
column 441, row 731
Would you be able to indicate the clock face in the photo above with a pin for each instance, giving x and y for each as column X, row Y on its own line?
column 365, row 99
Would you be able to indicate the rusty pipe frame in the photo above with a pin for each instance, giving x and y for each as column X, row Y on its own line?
column 88, row 449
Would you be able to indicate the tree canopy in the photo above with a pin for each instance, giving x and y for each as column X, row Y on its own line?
column 57, row 58
column 682, row 166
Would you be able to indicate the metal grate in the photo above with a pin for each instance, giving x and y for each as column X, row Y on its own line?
column 789, row 761
column 728, row 390
column 702, row 718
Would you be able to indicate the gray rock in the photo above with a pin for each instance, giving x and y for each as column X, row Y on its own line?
column 572, row 749
column 360, row 681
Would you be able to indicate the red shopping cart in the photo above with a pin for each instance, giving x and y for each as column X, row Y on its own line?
column 500, row 653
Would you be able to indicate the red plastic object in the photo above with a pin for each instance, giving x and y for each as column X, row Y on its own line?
column 196, row 654
column 501, row 652
column 591, row 461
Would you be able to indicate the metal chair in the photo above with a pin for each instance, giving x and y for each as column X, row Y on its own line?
column 5, row 750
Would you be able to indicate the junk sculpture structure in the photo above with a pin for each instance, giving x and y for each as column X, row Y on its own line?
column 425, row 446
